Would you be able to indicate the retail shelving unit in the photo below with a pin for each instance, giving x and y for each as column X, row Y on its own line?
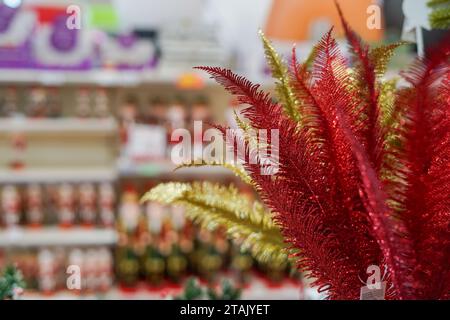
column 55, row 236
column 73, row 150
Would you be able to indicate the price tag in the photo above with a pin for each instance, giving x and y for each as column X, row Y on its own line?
column 146, row 142
column 373, row 293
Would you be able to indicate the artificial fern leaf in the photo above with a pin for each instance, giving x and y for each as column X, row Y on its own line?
column 213, row 206
column 280, row 73
column 440, row 14
column 248, row 132
column 235, row 168
column 386, row 100
column 382, row 55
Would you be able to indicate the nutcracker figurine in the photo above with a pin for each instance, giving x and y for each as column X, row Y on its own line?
column 11, row 206
column 66, row 205
column 87, row 204
column 83, row 107
column 34, row 205
column 107, row 200
column 47, row 271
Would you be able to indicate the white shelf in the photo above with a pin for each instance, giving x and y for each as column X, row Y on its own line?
column 54, row 236
column 122, row 78
column 111, row 78
column 257, row 290
column 57, row 175
column 88, row 126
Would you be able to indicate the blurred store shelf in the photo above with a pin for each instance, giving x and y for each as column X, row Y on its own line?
column 113, row 78
column 257, row 290
column 97, row 77
column 61, row 125
column 156, row 169
column 54, row 236
column 57, row 175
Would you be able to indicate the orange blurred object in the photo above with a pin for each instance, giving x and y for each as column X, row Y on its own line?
column 302, row 19
column 190, row 81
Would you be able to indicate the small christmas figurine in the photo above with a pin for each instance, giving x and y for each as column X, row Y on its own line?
column 87, row 203
column 175, row 119
column 178, row 217
column 66, row 205
column 9, row 105
column 107, row 199
column 129, row 212
column 37, row 104
column 76, row 258
column 209, row 260
column 127, row 268
column 54, row 103
column 83, row 107
column 90, row 269
column 127, row 116
column 34, row 205
column 176, row 264
column 176, row 115
column 154, row 265
column 154, row 213
column 104, row 269
column 47, row 271
column 11, row 206
column 101, row 107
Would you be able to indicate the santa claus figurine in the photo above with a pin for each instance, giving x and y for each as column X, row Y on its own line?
column 10, row 206
column 66, row 205
column 87, row 203
column 107, row 200
column 34, row 203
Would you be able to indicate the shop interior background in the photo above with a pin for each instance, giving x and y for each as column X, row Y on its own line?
column 85, row 121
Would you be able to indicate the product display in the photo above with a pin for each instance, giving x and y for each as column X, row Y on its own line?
column 162, row 247
column 127, row 172
column 65, row 204
column 357, row 181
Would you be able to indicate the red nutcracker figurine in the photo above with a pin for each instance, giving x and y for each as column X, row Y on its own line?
column 66, row 205
column 35, row 204
column 10, row 206
column 107, row 200
column 87, row 203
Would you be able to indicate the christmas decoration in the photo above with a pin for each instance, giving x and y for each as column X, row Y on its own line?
column 213, row 205
column 440, row 14
column 364, row 173
column 193, row 291
column 11, row 283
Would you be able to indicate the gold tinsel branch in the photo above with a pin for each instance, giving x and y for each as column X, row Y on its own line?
column 214, row 206
column 440, row 14
column 280, row 72
column 235, row 168
column 386, row 100
column 382, row 55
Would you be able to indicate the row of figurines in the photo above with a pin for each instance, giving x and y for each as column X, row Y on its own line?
column 64, row 204
column 53, row 269
column 85, row 204
column 170, row 257
column 50, row 102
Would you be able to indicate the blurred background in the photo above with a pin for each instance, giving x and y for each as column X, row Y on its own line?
column 86, row 114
